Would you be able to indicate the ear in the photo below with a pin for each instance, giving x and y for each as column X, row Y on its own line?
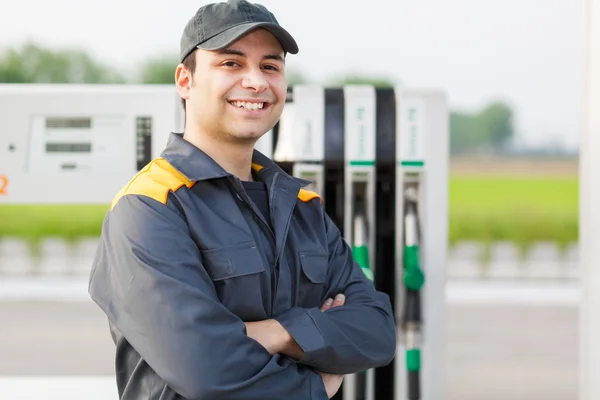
column 183, row 81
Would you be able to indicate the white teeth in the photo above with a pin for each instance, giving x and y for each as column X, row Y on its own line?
column 248, row 105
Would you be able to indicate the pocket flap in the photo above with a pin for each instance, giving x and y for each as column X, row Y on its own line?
column 233, row 261
column 314, row 266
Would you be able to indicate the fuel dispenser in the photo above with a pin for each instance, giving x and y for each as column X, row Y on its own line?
column 309, row 135
column 421, row 242
column 359, row 201
column 301, row 147
column 384, row 169
column 377, row 156
column 56, row 139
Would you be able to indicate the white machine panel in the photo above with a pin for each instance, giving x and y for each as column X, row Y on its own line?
column 422, row 162
column 309, row 123
column 309, row 135
column 264, row 145
column 80, row 143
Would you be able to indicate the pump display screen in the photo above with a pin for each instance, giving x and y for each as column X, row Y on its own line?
column 68, row 147
column 68, row 123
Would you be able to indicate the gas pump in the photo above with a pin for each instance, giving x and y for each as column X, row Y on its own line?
column 413, row 279
column 384, row 166
column 284, row 153
column 309, row 135
column 359, row 204
column 421, row 242
column 56, row 139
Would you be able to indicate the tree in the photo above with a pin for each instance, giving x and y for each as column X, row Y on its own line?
column 33, row 64
column 497, row 120
column 490, row 129
column 160, row 70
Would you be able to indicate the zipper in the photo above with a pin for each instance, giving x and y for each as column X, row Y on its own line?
column 275, row 275
column 252, row 208
column 277, row 257
column 275, row 280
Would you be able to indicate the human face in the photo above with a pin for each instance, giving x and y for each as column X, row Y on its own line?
column 236, row 94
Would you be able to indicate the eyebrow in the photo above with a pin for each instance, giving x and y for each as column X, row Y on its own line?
column 234, row 52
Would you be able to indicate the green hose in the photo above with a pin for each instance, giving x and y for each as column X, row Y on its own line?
column 361, row 256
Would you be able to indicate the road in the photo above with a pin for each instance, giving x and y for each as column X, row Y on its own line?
column 494, row 352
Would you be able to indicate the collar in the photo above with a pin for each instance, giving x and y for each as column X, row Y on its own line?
column 196, row 165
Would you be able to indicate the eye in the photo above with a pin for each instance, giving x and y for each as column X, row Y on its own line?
column 271, row 67
column 231, row 64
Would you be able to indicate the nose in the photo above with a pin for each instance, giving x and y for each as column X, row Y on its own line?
column 255, row 80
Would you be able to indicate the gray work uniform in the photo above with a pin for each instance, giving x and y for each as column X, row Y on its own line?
column 186, row 258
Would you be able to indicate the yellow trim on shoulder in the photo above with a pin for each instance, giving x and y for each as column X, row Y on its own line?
column 307, row 195
column 155, row 180
column 304, row 195
column 257, row 167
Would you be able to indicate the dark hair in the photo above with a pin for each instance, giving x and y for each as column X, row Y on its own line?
column 189, row 62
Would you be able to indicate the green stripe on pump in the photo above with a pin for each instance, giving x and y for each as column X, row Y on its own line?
column 412, row 163
column 362, row 163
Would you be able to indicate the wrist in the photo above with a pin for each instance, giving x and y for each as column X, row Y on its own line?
column 287, row 344
column 283, row 338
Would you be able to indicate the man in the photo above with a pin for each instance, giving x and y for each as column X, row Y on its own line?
column 217, row 270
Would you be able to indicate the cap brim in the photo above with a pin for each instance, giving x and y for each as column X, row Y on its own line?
column 229, row 36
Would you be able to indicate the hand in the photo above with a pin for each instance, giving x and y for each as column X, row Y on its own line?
column 267, row 333
column 332, row 383
column 274, row 338
column 339, row 300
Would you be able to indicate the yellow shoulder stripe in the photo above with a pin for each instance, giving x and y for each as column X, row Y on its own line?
column 257, row 167
column 155, row 180
column 307, row 195
column 304, row 195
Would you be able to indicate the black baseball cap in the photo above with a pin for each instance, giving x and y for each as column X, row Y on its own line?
column 217, row 25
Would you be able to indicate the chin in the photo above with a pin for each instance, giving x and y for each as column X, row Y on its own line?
column 249, row 134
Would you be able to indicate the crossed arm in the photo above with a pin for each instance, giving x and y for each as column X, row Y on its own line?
column 276, row 339
column 147, row 277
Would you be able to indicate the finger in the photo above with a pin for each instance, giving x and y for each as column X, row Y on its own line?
column 327, row 305
column 339, row 300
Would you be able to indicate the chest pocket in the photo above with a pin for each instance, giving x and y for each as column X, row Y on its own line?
column 312, row 280
column 238, row 274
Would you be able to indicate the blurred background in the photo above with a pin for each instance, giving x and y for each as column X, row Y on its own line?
column 512, row 71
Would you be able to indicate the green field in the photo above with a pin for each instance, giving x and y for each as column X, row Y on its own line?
column 518, row 209
column 485, row 208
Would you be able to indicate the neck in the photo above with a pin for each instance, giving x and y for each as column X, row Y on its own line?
column 235, row 158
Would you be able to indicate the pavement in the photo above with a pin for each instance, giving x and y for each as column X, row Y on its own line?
column 502, row 342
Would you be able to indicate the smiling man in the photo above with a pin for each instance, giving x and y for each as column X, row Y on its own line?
column 222, row 278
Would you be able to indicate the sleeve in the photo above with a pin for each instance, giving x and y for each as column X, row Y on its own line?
column 355, row 337
column 148, row 278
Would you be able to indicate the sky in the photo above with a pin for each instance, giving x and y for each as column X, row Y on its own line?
column 528, row 53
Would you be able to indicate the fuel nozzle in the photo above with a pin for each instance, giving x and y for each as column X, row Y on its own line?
column 360, row 246
column 413, row 278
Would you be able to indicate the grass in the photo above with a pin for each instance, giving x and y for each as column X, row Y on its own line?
column 517, row 209
column 482, row 208
column 34, row 222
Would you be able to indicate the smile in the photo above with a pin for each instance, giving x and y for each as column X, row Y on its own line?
column 248, row 105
